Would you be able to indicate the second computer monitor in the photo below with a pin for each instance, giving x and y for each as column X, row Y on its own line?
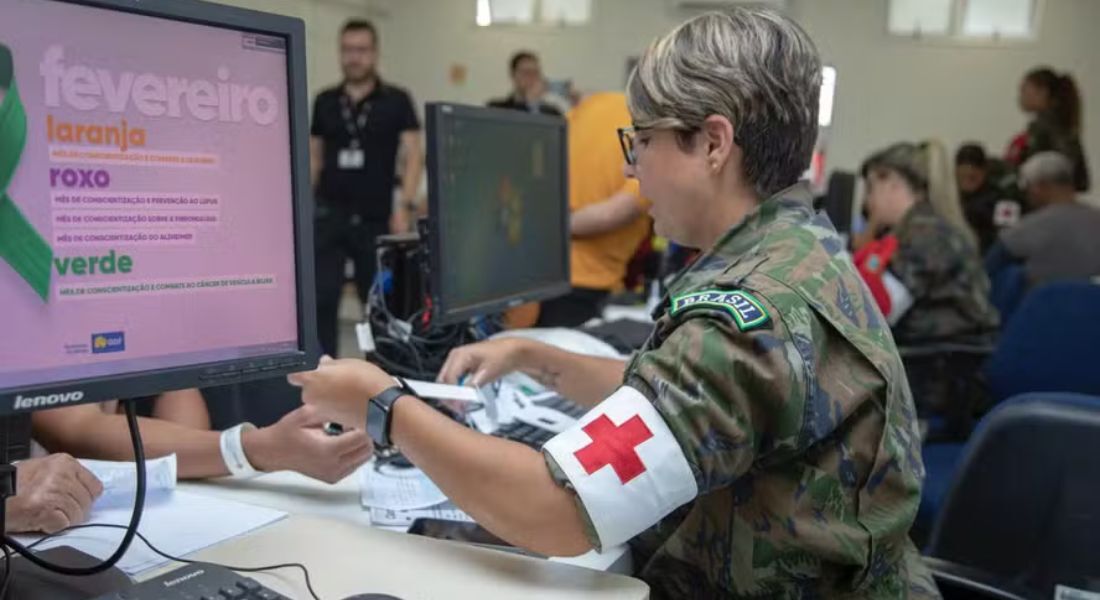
column 499, row 209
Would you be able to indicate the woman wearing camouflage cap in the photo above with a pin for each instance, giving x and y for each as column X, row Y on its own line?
column 762, row 443
column 934, row 287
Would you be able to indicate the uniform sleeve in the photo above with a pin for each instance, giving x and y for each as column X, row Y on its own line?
column 692, row 417
column 408, row 119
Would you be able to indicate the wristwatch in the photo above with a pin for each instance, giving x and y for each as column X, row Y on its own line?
column 380, row 413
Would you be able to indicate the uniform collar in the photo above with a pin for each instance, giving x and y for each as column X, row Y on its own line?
column 743, row 239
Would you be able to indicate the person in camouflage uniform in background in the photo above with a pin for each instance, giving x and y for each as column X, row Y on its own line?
column 763, row 442
column 911, row 193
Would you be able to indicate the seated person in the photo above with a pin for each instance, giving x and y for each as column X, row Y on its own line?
column 607, row 215
column 1060, row 240
column 54, row 493
column 181, row 426
column 762, row 443
column 988, row 209
column 925, row 273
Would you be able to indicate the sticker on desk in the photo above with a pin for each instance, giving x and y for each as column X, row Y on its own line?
column 384, row 517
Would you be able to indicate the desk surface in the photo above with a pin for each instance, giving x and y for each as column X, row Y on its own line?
column 300, row 495
column 346, row 558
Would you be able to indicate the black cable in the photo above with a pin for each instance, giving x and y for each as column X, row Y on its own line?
column 131, row 529
column 145, row 540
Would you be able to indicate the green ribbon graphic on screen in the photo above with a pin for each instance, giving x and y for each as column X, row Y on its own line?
column 21, row 246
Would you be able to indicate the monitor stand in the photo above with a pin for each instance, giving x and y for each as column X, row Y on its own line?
column 31, row 582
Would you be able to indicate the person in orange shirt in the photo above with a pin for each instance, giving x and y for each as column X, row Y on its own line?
column 608, row 215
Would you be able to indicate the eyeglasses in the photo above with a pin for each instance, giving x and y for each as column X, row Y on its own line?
column 626, row 141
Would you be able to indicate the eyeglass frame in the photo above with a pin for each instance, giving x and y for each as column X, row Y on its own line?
column 629, row 154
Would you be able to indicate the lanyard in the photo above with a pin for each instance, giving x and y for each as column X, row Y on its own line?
column 356, row 124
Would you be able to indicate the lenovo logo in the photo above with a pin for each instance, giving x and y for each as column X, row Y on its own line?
column 26, row 402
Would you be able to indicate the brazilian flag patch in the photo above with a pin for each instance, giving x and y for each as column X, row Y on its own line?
column 746, row 310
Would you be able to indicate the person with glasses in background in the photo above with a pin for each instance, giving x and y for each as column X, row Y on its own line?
column 607, row 218
column 358, row 128
column 763, row 442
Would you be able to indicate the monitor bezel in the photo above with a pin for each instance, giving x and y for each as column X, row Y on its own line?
column 155, row 381
column 441, row 311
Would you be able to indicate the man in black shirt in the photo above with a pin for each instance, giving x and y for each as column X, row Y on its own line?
column 358, row 128
column 528, row 86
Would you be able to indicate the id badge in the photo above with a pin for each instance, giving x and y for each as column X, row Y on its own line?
column 351, row 158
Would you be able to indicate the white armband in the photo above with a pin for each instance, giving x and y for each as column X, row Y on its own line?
column 625, row 465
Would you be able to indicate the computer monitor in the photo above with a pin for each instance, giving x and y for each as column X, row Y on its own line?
column 155, row 223
column 499, row 209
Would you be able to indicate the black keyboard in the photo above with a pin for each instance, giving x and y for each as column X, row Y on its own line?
column 533, row 436
column 523, row 433
column 560, row 404
column 197, row 582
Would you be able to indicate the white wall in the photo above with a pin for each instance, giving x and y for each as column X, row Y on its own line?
column 889, row 89
column 323, row 19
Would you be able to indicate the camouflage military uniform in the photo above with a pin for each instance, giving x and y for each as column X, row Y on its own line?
column 798, row 428
column 947, row 280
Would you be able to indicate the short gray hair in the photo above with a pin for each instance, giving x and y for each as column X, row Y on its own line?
column 753, row 66
column 1047, row 167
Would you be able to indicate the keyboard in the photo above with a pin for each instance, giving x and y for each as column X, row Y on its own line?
column 533, row 436
column 561, row 404
column 197, row 582
column 528, row 435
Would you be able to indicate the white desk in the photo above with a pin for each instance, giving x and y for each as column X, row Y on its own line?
column 300, row 495
column 346, row 559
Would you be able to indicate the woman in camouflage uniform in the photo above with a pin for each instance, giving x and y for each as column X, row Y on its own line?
column 763, row 442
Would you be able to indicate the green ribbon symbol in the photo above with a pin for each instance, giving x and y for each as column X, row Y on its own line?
column 21, row 246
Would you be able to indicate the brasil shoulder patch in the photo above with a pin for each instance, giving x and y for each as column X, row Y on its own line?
column 746, row 310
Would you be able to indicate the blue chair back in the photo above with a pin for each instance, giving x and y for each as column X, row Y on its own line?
column 1050, row 345
column 1024, row 504
column 1008, row 286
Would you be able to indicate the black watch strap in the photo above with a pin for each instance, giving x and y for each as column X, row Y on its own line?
column 380, row 413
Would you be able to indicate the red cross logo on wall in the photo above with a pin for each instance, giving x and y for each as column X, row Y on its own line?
column 614, row 445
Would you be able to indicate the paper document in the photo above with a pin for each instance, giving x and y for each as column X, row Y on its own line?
column 382, row 517
column 180, row 523
column 442, row 391
column 119, row 479
column 397, row 489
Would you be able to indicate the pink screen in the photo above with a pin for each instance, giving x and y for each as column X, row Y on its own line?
column 156, row 169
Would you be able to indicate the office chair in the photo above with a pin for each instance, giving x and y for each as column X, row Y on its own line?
column 1047, row 345
column 1008, row 287
column 1023, row 511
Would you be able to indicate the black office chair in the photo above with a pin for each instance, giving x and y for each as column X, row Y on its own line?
column 1023, row 512
column 948, row 387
